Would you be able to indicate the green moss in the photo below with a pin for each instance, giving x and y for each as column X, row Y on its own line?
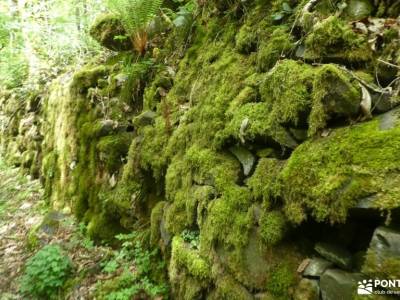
column 258, row 128
column 278, row 46
column 287, row 91
column 152, row 148
column 333, row 39
column 387, row 268
column 155, row 91
column 87, row 78
column 263, row 182
column 183, row 256
column 247, row 95
column 280, row 281
column 246, row 40
column 175, row 215
column 327, row 176
column 155, row 221
column 273, row 226
column 228, row 288
column 335, row 95
column 102, row 228
column 229, row 221
column 104, row 30
column 112, row 149
column 50, row 173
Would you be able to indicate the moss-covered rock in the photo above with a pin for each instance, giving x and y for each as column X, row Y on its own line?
column 382, row 259
column 333, row 40
column 336, row 95
column 328, row 176
column 278, row 46
column 189, row 273
column 107, row 29
column 246, row 40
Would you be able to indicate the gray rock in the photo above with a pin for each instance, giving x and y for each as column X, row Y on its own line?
column 366, row 208
column 317, row 267
column 145, row 118
column 106, row 127
column 342, row 100
column 254, row 264
column 382, row 102
column 337, row 284
column 386, row 242
column 358, row 9
column 307, row 289
column 283, row 137
column 389, row 120
column 51, row 222
column 245, row 157
column 165, row 235
column 336, row 254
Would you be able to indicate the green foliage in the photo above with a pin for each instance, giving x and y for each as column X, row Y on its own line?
column 136, row 16
column 137, row 269
column 13, row 63
column 46, row 272
column 191, row 237
column 14, row 69
column 42, row 40
column 284, row 11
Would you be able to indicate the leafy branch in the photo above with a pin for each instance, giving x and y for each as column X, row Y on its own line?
column 136, row 16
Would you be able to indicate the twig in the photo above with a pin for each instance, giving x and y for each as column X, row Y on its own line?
column 388, row 63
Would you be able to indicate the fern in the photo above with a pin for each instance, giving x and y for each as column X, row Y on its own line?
column 136, row 16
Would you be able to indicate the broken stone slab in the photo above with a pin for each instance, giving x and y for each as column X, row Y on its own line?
column 366, row 208
column 307, row 289
column 338, row 284
column 336, row 254
column 316, row 267
column 386, row 242
column 245, row 157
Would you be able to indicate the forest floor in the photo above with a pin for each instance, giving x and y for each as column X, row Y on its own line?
column 27, row 224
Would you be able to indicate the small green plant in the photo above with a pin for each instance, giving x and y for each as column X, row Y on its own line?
column 135, row 267
column 283, row 12
column 136, row 16
column 46, row 273
column 191, row 237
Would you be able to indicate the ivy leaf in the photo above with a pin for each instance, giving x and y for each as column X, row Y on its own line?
column 277, row 16
column 286, row 7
